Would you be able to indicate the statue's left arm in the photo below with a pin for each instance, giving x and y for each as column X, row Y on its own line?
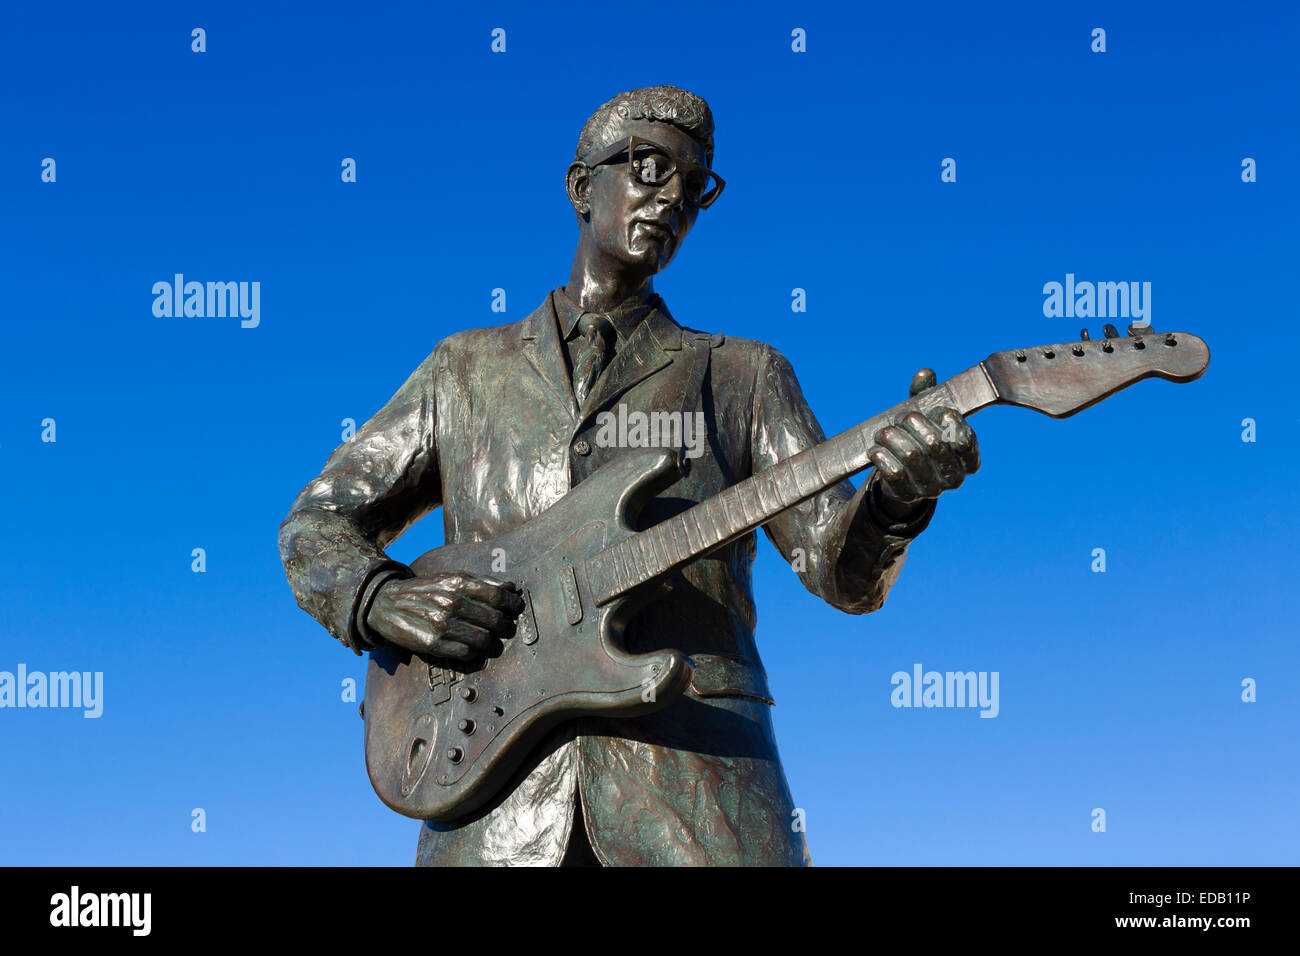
column 848, row 545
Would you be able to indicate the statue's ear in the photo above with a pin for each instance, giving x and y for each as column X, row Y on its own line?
column 577, row 183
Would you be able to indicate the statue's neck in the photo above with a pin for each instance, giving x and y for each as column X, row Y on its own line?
column 600, row 284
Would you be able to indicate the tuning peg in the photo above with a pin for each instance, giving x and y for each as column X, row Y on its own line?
column 1083, row 336
column 1110, row 331
column 1137, row 329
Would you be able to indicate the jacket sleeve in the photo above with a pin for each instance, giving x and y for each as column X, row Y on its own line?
column 372, row 488
column 844, row 549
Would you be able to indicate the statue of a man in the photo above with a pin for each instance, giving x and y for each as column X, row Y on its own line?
column 497, row 424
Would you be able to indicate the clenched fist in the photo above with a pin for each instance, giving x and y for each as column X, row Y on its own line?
column 452, row 614
column 923, row 455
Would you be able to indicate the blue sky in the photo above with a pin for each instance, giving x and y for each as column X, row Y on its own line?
column 1119, row 690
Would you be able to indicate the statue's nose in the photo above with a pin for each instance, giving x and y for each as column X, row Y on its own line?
column 670, row 193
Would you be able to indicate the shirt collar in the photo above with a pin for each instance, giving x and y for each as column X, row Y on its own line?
column 625, row 317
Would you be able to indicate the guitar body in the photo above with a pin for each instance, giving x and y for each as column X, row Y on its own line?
column 440, row 741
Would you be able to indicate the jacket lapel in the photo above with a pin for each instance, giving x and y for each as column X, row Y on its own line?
column 651, row 346
column 542, row 349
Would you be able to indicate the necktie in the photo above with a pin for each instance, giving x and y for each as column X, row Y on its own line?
column 595, row 330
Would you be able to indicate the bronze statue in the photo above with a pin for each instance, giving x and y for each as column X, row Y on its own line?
column 574, row 679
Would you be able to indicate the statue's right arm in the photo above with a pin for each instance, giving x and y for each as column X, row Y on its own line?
column 372, row 488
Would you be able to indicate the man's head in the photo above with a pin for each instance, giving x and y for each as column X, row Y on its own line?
column 637, row 208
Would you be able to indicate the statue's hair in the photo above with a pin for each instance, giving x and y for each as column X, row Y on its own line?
column 666, row 104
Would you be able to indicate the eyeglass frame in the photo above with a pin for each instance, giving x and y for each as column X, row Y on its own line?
column 592, row 160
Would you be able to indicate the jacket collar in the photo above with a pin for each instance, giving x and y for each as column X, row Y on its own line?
column 650, row 346
column 625, row 318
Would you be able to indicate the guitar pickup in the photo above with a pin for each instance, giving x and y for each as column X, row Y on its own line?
column 526, row 623
column 569, row 588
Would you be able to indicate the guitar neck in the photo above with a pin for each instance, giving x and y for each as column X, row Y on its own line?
column 749, row 504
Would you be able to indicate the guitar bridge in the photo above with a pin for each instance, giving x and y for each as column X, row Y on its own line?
column 441, row 680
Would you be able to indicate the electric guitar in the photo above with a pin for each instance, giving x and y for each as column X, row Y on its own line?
column 441, row 741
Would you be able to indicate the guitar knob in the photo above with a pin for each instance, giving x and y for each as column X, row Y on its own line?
column 466, row 726
column 455, row 754
column 468, row 693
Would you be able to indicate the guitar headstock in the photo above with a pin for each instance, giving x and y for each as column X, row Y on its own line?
column 1059, row 380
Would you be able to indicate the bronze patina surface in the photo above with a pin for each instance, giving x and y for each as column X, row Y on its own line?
column 499, row 424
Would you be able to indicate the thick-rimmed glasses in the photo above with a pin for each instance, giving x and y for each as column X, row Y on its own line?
column 651, row 164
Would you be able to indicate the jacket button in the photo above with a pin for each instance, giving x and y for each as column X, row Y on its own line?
column 580, row 447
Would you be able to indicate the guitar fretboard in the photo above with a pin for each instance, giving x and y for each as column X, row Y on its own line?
column 750, row 503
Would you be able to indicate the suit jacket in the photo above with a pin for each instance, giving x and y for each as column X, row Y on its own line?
column 487, row 427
